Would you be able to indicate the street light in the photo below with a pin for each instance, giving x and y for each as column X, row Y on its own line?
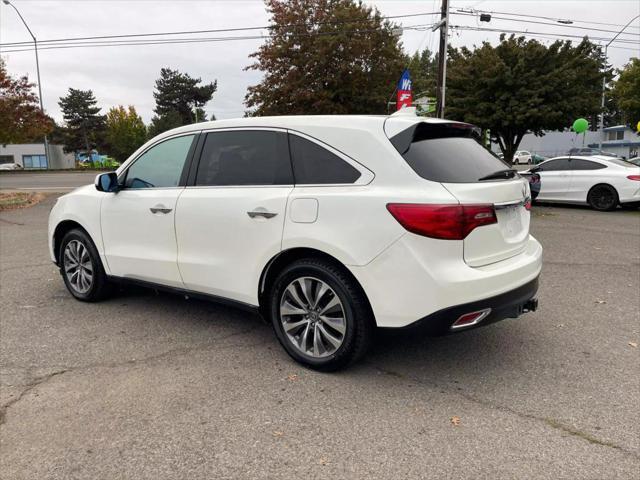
column 35, row 44
column 606, row 47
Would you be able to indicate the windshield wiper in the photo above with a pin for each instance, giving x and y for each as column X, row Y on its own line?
column 508, row 173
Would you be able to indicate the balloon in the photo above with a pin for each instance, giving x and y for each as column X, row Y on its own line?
column 638, row 127
column 580, row 125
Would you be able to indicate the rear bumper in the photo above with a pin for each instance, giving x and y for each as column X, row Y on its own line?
column 417, row 277
column 510, row 304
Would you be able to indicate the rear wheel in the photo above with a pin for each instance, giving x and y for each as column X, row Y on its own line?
column 320, row 315
column 603, row 198
column 81, row 267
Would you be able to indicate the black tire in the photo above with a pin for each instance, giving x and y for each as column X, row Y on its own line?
column 603, row 198
column 357, row 313
column 100, row 287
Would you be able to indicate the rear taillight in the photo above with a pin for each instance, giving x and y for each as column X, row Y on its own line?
column 634, row 177
column 447, row 222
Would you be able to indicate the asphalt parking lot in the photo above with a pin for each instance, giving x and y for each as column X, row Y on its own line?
column 152, row 386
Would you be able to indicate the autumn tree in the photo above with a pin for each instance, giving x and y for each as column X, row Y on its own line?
column 626, row 92
column 21, row 119
column 325, row 57
column 125, row 132
column 179, row 100
column 84, row 126
column 521, row 86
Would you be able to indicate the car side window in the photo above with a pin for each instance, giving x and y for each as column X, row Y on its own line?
column 161, row 166
column 313, row 164
column 578, row 164
column 557, row 165
column 245, row 157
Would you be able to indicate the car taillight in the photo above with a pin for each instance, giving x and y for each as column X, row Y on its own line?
column 527, row 204
column 634, row 177
column 447, row 222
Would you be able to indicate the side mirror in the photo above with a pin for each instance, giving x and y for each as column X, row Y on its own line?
column 107, row 182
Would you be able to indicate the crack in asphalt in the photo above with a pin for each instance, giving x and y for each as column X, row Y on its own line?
column 553, row 423
column 36, row 382
column 29, row 387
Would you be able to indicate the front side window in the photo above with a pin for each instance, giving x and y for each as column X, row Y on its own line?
column 557, row 165
column 315, row 165
column 245, row 157
column 161, row 166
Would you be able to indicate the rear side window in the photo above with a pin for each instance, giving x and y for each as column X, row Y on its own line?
column 446, row 153
column 245, row 157
column 313, row 164
column 577, row 164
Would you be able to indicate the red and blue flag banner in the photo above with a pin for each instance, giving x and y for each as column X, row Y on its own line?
column 404, row 90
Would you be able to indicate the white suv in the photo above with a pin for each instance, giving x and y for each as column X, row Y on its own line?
column 327, row 225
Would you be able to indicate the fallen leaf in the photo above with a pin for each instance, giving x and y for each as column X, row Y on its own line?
column 455, row 420
column 323, row 461
column 277, row 433
column 601, row 301
column 633, row 344
column 292, row 378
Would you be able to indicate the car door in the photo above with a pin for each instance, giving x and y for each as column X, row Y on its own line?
column 584, row 175
column 555, row 178
column 229, row 219
column 138, row 221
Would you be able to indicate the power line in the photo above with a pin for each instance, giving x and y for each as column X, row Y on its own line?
column 218, row 30
column 555, row 19
column 169, row 41
column 549, row 34
column 550, row 24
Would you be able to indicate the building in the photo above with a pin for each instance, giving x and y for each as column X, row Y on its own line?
column 31, row 156
column 621, row 140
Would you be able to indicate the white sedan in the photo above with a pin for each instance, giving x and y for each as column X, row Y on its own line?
column 601, row 182
column 522, row 157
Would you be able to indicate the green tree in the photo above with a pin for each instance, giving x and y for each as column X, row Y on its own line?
column 324, row 57
column 125, row 132
column 159, row 124
column 522, row 86
column 21, row 119
column 84, row 126
column 424, row 72
column 626, row 92
column 178, row 97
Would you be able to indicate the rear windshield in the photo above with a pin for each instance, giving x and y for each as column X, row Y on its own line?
column 448, row 153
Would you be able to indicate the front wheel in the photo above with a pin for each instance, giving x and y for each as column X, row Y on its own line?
column 81, row 267
column 320, row 315
column 603, row 198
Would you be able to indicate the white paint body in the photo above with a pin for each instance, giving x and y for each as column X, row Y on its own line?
column 522, row 157
column 572, row 186
column 209, row 244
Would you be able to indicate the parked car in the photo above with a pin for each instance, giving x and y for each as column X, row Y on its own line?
column 587, row 151
column 536, row 159
column 601, row 183
column 522, row 157
column 329, row 226
column 10, row 166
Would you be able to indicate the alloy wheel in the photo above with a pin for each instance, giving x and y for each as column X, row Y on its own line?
column 312, row 317
column 602, row 198
column 77, row 266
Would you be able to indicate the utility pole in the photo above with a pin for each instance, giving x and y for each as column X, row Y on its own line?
column 443, row 25
column 35, row 46
column 604, row 83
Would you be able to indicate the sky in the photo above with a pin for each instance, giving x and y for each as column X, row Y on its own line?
column 126, row 75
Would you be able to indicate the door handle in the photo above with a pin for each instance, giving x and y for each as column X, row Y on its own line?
column 259, row 213
column 160, row 209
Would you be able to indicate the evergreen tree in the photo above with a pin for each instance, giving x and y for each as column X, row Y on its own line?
column 84, row 126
